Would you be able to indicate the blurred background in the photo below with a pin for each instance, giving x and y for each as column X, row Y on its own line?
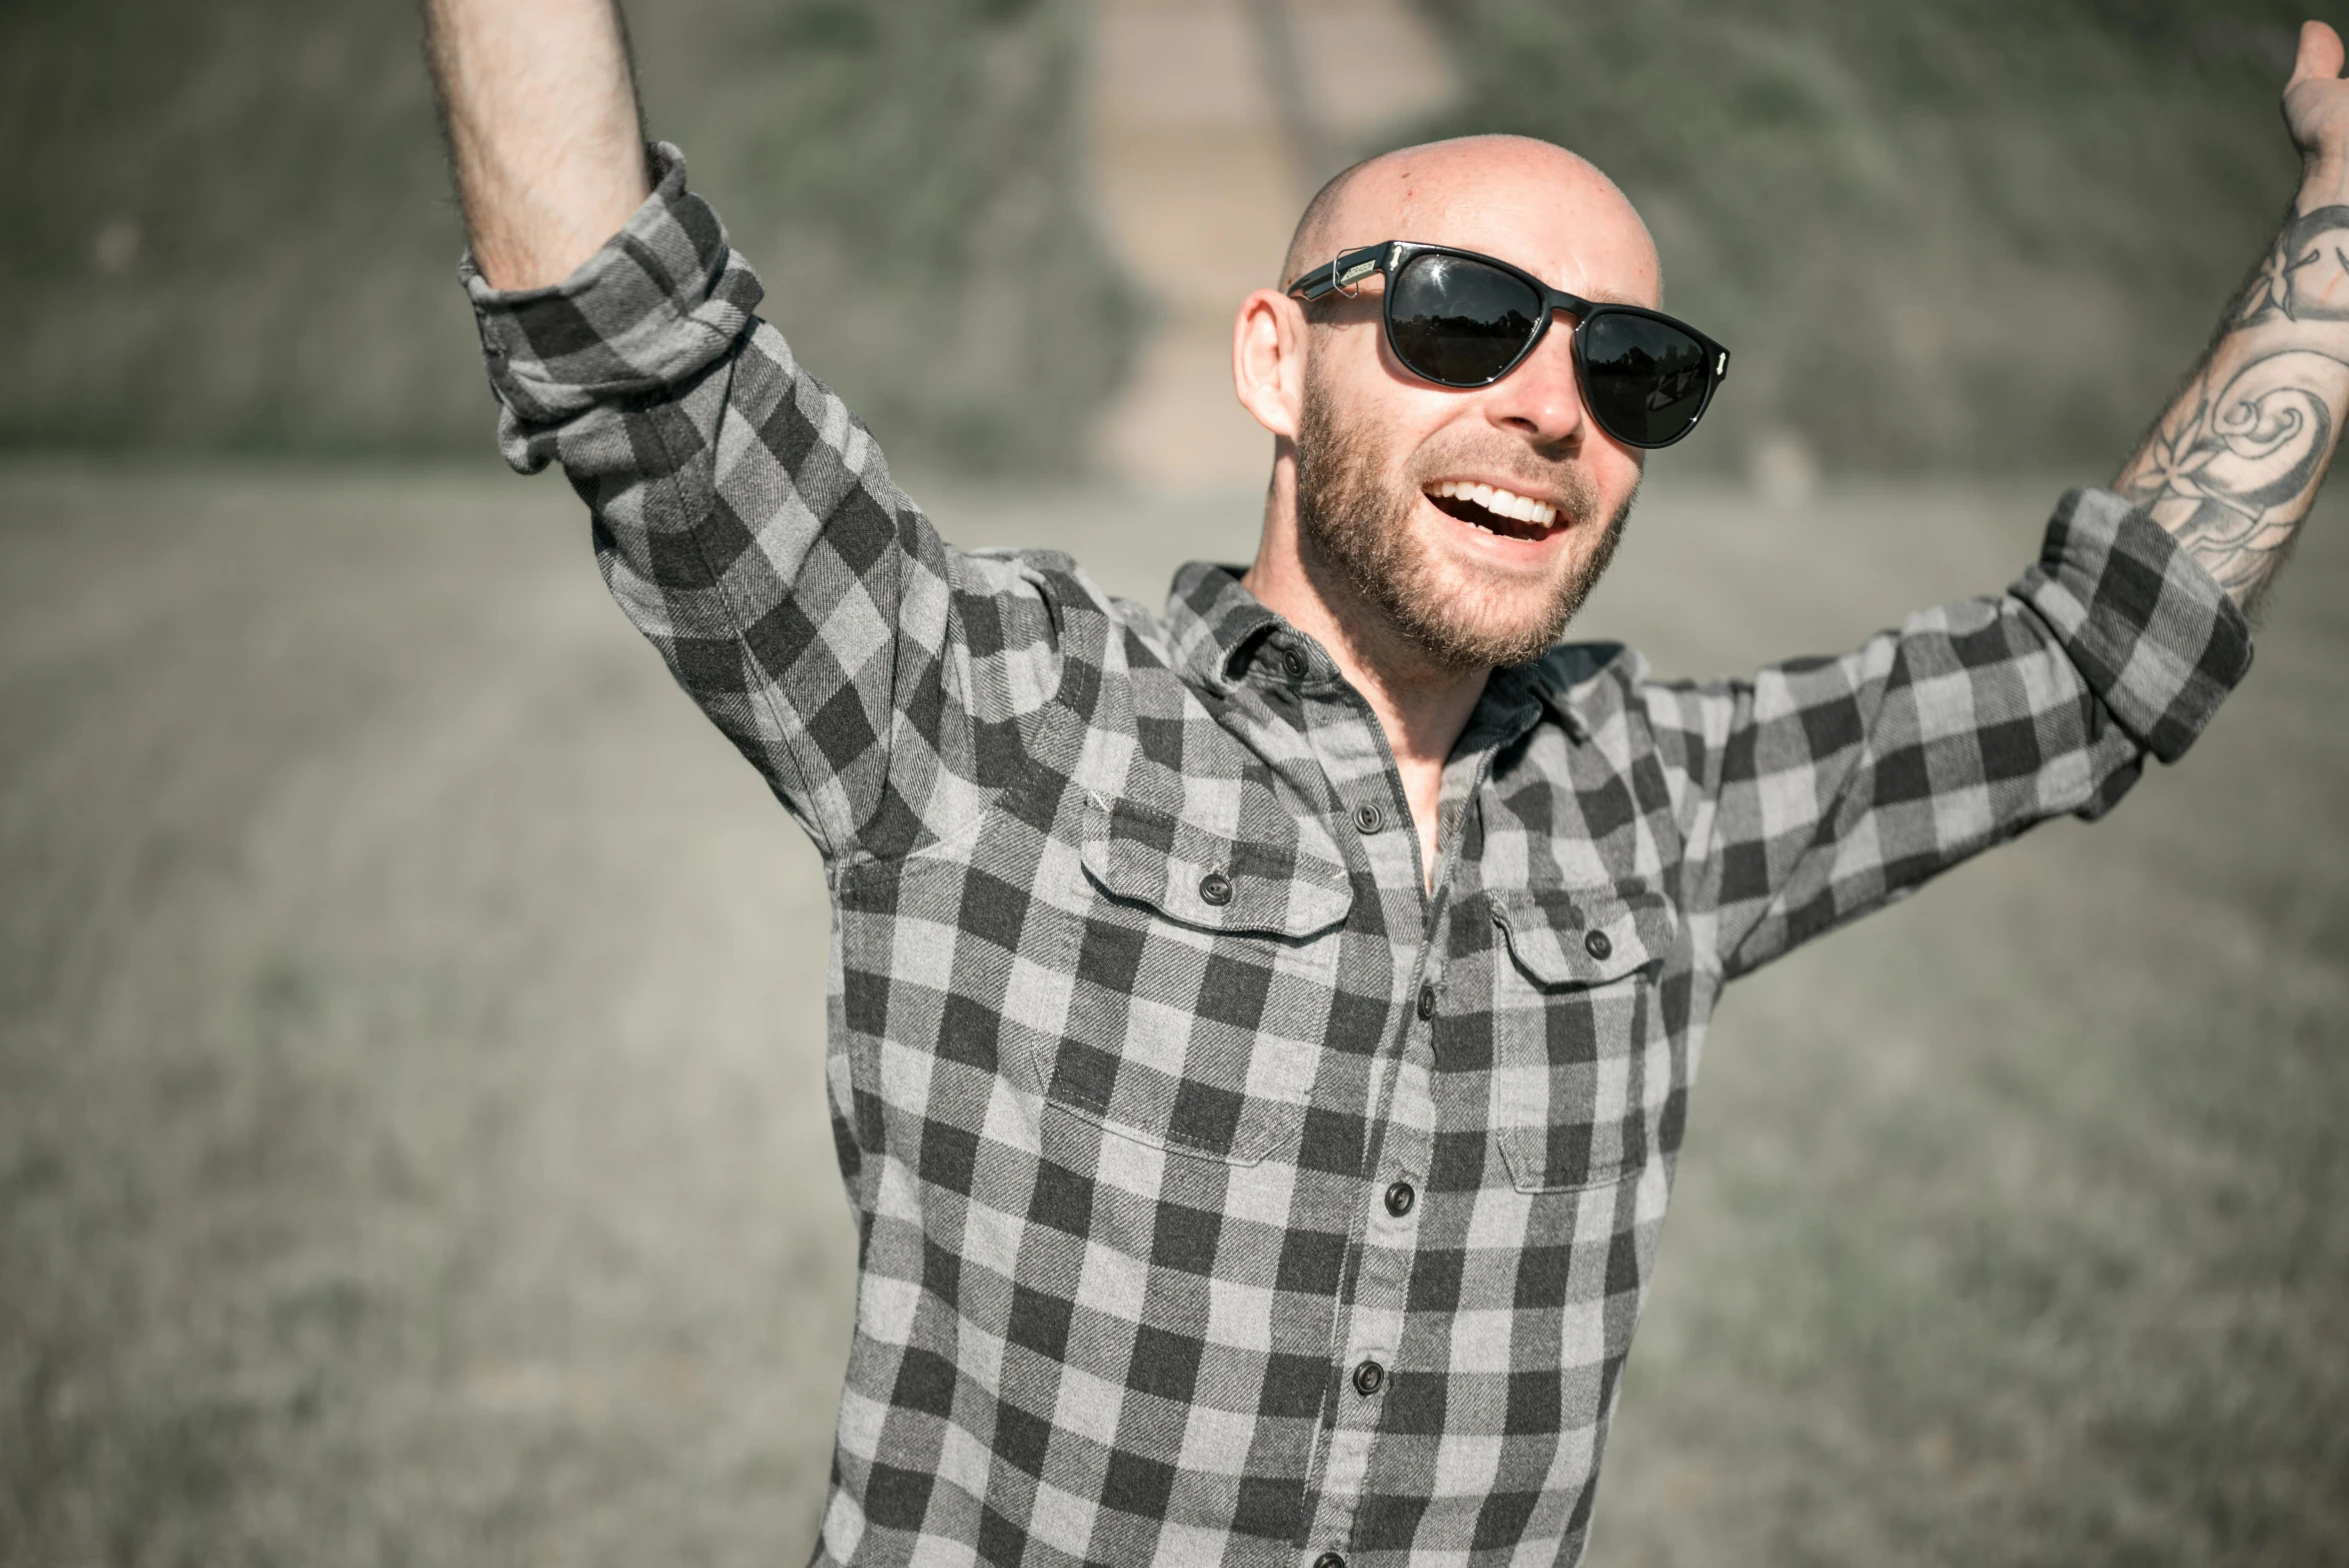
column 412, row 1148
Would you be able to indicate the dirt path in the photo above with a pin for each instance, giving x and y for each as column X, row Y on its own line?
column 1213, row 121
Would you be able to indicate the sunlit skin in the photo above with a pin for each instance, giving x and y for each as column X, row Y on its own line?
column 1557, row 217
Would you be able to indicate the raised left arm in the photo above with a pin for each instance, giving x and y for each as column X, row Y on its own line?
column 2233, row 466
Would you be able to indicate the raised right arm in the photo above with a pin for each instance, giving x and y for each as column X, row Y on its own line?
column 883, row 683
column 539, row 105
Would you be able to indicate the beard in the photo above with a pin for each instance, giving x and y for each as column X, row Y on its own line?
column 1358, row 527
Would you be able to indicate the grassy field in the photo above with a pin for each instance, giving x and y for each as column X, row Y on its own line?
column 412, row 1150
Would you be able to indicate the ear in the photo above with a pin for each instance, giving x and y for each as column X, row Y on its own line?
column 1268, row 360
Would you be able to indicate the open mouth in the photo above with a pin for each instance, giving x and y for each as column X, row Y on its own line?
column 1495, row 510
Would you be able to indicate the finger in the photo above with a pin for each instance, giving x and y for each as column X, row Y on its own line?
column 2320, row 56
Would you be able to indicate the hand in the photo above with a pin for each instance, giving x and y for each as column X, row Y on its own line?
column 2316, row 102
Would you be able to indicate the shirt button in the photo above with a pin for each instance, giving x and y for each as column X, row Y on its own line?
column 1368, row 818
column 1293, row 661
column 1400, row 1197
column 1427, row 1000
column 1369, row 1378
column 1216, row 888
column 1597, row 945
column 1329, row 1560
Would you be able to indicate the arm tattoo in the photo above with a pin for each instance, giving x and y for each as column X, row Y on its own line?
column 2235, row 463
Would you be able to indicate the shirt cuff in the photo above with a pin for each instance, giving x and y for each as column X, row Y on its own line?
column 662, row 300
column 2154, row 634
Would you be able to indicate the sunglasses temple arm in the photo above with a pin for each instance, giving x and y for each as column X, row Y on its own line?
column 1346, row 268
column 1316, row 284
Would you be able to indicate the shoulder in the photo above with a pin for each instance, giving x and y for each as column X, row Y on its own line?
column 1067, row 594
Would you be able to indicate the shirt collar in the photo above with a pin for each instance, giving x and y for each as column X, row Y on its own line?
column 1216, row 626
column 1564, row 683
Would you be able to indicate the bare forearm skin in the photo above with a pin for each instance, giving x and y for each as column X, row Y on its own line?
column 2234, row 465
column 540, row 108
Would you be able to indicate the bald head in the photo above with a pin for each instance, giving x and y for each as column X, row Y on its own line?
column 1463, row 191
column 1374, row 532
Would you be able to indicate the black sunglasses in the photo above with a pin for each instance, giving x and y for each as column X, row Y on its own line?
column 1464, row 320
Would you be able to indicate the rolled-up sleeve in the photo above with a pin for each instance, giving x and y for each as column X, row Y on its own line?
column 2156, row 638
column 746, row 522
column 658, row 304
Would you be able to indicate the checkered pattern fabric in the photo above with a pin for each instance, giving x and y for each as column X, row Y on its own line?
column 1225, row 1196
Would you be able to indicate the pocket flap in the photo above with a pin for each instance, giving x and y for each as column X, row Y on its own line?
column 1583, row 936
column 1279, row 876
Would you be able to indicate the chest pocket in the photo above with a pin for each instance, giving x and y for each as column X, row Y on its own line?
column 1205, row 962
column 1581, row 1064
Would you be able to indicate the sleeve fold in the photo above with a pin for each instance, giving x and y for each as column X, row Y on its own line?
column 660, row 302
column 2154, row 635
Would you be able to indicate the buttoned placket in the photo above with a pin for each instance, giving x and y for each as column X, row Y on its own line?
column 1367, row 1329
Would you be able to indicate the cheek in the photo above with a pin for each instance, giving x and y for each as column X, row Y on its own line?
column 1370, row 397
column 1391, row 446
column 1615, row 472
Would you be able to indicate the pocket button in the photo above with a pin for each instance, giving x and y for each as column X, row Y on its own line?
column 1597, row 945
column 1216, row 888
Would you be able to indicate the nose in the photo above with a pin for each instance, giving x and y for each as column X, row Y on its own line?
column 1541, row 400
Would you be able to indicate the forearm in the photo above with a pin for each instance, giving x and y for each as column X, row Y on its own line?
column 2233, row 466
column 540, row 109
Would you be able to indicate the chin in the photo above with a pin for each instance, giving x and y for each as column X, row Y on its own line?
column 1476, row 599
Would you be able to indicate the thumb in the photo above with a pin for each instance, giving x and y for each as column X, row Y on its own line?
column 2320, row 55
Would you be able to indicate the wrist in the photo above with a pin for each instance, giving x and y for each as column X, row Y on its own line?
column 2324, row 182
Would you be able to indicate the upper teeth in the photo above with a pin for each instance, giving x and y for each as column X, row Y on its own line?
column 1502, row 503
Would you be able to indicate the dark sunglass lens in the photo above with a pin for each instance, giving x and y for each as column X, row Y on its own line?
column 1459, row 321
column 1646, row 379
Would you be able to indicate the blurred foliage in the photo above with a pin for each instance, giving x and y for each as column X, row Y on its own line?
column 1977, row 233
column 229, row 226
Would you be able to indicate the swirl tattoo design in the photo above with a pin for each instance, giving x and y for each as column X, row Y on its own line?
column 2234, row 465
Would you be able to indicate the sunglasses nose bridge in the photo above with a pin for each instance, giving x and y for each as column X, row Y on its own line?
column 1542, row 395
column 1571, row 325
column 1549, row 327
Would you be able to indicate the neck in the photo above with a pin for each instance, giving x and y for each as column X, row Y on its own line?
column 1421, row 705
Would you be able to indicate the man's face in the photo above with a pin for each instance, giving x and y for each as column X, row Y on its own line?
column 1462, row 602
column 1388, row 464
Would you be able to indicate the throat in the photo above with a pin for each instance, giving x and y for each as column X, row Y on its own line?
column 1423, row 788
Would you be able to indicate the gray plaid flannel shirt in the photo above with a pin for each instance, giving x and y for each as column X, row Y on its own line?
column 1222, row 1195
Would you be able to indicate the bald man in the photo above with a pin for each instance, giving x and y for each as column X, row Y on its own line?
column 1261, row 1031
